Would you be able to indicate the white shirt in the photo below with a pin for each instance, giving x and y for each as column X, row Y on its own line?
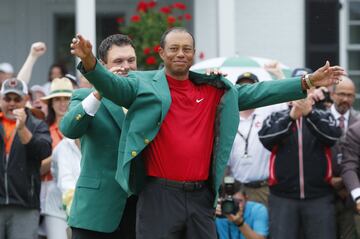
column 337, row 116
column 255, row 167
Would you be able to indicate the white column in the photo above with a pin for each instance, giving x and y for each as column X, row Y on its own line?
column 86, row 20
column 226, row 27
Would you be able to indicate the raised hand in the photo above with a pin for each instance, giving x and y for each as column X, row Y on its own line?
column 327, row 75
column 81, row 48
column 20, row 117
column 38, row 49
column 274, row 68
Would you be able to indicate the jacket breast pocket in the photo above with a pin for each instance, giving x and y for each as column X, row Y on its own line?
column 88, row 182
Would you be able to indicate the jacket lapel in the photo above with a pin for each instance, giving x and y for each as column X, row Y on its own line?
column 161, row 87
column 115, row 111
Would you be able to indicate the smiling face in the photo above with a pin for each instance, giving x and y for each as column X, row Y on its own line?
column 178, row 53
column 123, row 56
column 60, row 105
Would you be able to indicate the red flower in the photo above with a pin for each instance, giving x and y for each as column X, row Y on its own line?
column 179, row 5
column 147, row 51
column 142, row 6
column 151, row 60
column 156, row 48
column 120, row 20
column 135, row 18
column 187, row 16
column 165, row 10
column 171, row 19
column 151, row 4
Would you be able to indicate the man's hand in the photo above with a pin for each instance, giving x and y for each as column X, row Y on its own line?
column 274, row 69
column 20, row 117
column 215, row 71
column 119, row 70
column 327, row 75
column 358, row 206
column 81, row 48
column 37, row 49
column 238, row 218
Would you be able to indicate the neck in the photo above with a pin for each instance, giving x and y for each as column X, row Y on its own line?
column 77, row 142
column 178, row 77
column 57, row 120
column 246, row 113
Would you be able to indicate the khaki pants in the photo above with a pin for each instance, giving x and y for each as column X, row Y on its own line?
column 260, row 194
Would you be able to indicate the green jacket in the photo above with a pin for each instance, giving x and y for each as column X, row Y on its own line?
column 99, row 201
column 146, row 94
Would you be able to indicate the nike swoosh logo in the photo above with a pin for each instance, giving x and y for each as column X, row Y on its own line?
column 199, row 100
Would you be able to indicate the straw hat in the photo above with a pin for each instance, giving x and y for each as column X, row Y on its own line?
column 60, row 87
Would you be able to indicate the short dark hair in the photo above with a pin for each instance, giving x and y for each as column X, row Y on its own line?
column 174, row 29
column 107, row 43
column 239, row 188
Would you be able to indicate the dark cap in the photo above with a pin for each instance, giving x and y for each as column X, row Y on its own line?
column 247, row 76
column 15, row 86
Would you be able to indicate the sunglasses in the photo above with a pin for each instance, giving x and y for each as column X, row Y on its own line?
column 16, row 99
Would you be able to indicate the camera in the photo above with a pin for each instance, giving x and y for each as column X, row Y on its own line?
column 228, row 205
column 324, row 103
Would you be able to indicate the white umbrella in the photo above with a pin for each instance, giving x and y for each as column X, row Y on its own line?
column 237, row 65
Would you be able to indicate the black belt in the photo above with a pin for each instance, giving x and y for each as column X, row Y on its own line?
column 187, row 186
column 256, row 184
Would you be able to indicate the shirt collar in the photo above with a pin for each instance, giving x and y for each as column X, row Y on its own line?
column 336, row 114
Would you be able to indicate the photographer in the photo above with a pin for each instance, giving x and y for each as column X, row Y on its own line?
column 248, row 220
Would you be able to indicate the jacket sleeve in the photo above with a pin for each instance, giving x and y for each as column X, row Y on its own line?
column 76, row 121
column 121, row 90
column 351, row 158
column 275, row 129
column 40, row 144
column 323, row 126
column 264, row 93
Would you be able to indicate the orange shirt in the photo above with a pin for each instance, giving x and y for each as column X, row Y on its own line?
column 56, row 137
column 9, row 127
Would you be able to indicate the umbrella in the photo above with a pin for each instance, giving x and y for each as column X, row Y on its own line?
column 237, row 65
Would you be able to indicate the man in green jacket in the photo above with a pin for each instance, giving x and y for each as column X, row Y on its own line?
column 101, row 208
column 181, row 125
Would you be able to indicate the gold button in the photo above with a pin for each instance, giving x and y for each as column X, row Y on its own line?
column 146, row 141
column 78, row 117
column 133, row 154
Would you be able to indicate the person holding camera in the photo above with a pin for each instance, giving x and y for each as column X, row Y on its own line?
column 239, row 218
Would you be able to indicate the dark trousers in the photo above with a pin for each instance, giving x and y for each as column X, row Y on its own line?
column 126, row 229
column 173, row 213
column 316, row 217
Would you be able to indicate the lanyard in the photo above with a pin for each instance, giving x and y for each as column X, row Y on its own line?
column 246, row 139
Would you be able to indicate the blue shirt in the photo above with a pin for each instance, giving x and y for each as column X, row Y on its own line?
column 255, row 216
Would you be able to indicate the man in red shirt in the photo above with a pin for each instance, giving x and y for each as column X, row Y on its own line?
column 183, row 125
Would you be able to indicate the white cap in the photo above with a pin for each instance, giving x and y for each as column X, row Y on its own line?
column 6, row 67
column 38, row 88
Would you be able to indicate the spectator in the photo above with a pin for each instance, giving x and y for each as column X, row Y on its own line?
column 55, row 71
column 6, row 72
column 343, row 96
column 350, row 168
column 300, row 171
column 25, row 142
column 250, row 222
column 54, row 223
column 249, row 160
column 37, row 92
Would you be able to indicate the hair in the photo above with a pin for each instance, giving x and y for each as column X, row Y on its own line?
column 107, row 43
column 60, row 66
column 174, row 29
column 51, row 116
column 239, row 188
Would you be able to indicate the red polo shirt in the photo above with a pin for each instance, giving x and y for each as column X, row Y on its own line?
column 183, row 147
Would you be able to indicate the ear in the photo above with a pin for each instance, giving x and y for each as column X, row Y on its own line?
column 161, row 53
